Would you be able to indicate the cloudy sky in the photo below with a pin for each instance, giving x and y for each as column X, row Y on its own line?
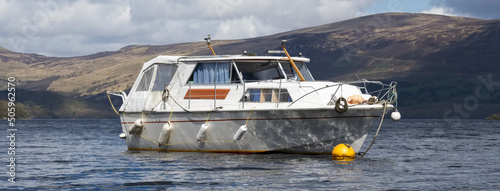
column 81, row 27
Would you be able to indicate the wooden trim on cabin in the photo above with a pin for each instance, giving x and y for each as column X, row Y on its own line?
column 207, row 94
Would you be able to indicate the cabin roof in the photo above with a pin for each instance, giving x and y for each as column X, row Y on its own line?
column 174, row 59
column 241, row 58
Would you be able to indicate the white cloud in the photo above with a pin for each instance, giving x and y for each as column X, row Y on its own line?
column 72, row 28
column 484, row 9
column 440, row 11
column 341, row 10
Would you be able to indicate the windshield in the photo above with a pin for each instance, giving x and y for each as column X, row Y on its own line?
column 290, row 72
column 271, row 70
column 257, row 71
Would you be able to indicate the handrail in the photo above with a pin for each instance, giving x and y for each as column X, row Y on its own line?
column 121, row 94
column 244, row 91
column 189, row 101
column 215, row 87
column 385, row 87
column 312, row 92
column 279, row 95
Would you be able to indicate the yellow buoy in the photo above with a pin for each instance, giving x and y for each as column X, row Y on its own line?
column 343, row 152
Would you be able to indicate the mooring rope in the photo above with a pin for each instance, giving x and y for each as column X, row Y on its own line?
column 112, row 105
column 169, row 117
column 380, row 125
column 249, row 115
column 208, row 117
column 168, row 95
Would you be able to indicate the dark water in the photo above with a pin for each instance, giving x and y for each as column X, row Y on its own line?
column 408, row 155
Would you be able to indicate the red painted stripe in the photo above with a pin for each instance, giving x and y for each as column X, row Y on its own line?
column 206, row 94
column 260, row 119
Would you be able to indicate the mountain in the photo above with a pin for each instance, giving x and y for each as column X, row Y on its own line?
column 438, row 61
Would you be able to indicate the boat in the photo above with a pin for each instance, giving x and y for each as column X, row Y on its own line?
column 247, row 104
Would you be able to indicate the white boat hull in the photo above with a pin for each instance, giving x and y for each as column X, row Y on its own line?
column 296, row 131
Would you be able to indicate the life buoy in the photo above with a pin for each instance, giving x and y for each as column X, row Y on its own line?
column 372, row 100
column 341, row 105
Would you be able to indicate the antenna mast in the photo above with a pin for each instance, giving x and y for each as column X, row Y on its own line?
column 291, row 61
column 208, row 43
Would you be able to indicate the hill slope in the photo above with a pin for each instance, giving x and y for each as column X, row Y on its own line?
column 437, row 60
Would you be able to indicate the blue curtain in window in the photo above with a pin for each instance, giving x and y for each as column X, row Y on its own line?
column 255, row 95
column 223, row 70
column 208, row 73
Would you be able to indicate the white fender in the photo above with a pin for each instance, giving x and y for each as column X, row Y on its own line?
column 165, row 133
column 396, row 116
column 241, row 131
column 136, row 127
column 201, row 132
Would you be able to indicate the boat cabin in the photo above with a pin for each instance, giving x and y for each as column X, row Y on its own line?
column 204, row 83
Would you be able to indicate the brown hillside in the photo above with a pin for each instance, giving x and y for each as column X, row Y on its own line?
column 381, row 46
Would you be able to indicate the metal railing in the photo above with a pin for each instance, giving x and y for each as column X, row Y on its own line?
column 386, row 91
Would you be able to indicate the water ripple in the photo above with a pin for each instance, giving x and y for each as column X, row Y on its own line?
column 408, row 155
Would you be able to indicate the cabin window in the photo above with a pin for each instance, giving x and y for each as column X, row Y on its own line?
column 210, row 73
column 267, row 95
column 257, row 71
column 290, row 72
column 146, row 80
column 164, row 74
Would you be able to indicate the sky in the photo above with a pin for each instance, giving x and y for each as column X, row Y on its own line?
column 66, row 28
